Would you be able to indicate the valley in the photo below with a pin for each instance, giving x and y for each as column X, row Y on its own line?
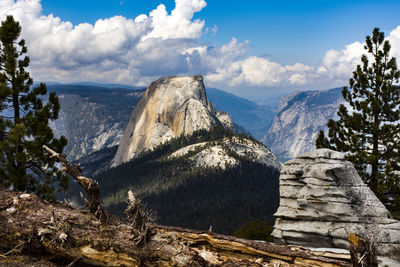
column 189, row 191
column 197, row 175
column 182, row 156
column 199, row 133
column 289, row 131
column 91, row 117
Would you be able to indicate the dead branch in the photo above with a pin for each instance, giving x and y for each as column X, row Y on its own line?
column 138, row 218
column 93, row 202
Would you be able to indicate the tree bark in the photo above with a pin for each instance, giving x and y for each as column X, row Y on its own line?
column 29, row 227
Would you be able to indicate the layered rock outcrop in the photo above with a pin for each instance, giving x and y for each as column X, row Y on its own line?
column 170, row 107
column 323, row 200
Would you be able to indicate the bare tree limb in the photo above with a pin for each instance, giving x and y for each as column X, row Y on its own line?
column 93, row 202
column 139, row 218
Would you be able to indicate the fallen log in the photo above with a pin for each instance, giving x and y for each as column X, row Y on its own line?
column 38, row 230
column 33, row 230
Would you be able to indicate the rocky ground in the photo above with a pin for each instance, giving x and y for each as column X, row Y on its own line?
column 214, row 154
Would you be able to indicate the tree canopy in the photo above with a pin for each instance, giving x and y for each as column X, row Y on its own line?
column 24, row 121
column 368, row 128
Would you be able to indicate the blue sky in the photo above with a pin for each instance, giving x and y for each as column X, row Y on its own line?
column 251, row 48
column 287, row 31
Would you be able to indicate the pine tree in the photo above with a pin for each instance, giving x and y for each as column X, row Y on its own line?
column 24, row 122
column 369, row 131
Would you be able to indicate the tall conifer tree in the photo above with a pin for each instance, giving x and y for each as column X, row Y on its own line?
column 24, row 122
column 369, row 131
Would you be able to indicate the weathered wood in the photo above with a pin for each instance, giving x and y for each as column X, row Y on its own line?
column 26, row 228
column 93, row 202
column 138, row 218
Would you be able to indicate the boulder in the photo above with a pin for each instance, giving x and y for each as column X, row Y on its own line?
column 323, row 200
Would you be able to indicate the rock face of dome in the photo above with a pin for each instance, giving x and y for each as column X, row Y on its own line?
column 323, row 200
column 170, row 107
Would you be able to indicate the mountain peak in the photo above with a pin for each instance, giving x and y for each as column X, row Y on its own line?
column 170, row 107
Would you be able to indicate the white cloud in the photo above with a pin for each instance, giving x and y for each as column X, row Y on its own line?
column 298, row 67
column 394, row 39
column 298, row 79
column 178, row 24
column 258, row 71
column 338, row 65
column 138, row 50
column 115, row 49
column 213, row 30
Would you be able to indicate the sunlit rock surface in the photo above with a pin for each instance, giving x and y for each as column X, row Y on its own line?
column 170, row 107
column 211, row 154
column 300, row 117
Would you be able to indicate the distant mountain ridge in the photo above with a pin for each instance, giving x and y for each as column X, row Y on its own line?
column 300, row 117
column 292, row 131
column 255, row 119
column 79, row 103
column 94, row 84
column 91, row 117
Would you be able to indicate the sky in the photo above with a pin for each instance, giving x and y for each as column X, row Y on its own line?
column 253, row 48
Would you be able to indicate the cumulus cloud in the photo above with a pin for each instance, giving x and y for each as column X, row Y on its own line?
column 138, row 50
column 115, row 49
column 178, row 24
column 298, row 79
column 394, row 39
column 338, row 65
column 257, row 71
column 336, row 68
